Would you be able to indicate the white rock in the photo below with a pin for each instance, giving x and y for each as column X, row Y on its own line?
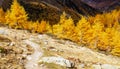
column 2, row 31
column 96, row 66
column 28, row 58
column 12, row 43
column 57, row 60
column 81, row 65
column 24, row 55
column 40, row 36
column 107, row 66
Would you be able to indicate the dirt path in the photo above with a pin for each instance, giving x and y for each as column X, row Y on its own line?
column 33, row 59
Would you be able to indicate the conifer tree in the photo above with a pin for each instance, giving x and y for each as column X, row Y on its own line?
column 2, row 16
column 16, row 15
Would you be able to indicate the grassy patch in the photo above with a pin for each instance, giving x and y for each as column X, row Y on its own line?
column 54, row 66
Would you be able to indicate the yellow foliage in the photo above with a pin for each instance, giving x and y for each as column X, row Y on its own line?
column 39, row 27
column 81, row 29
column 42, row 27
column 49, row 28
column 101, row 32
column 2, row 16
column 65, row 28
column 16, row 15
column 116, row 51
column 107, row 19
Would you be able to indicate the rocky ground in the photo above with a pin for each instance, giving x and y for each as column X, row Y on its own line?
column 20, row 49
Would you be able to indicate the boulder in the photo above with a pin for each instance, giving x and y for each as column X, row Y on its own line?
column 57, row 60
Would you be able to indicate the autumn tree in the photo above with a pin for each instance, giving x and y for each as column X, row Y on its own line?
column 16, row 16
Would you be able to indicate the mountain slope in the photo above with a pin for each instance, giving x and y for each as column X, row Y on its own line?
column 45, row 9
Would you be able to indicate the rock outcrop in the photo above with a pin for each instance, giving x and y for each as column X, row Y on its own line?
column 101, row 4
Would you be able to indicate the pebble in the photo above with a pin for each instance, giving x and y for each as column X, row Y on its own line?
column 2, row 31
column 82, row 65
column 24, row 55
column 96, row 66
column 12, row 44
column 29, row 58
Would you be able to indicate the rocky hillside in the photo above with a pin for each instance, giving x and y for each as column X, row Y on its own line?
column 44, row 9
column 20, row 49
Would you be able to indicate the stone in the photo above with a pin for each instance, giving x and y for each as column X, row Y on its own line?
column 2, row 31
column 57, row 60
column 81, row 66
column 108, row 66
column 96, row 67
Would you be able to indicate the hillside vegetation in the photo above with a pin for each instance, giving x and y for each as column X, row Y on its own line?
column 100, row 33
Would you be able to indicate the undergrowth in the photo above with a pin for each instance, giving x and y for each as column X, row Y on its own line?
column 101, row 32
